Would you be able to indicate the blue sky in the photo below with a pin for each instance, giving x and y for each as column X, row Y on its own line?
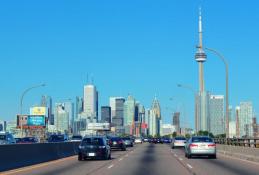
column 138, row 47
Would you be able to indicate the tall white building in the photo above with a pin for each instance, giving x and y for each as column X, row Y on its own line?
column 155, row 119
column 91, row 102
column 217, row 119
column 61, row 118
column 246, row 119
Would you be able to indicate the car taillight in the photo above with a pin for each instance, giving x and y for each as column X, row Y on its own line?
column 193, row 145
column 212, row 145
column 110, row 142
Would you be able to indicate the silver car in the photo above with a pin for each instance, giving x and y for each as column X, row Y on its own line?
column 178, row 142
column 6, row 138
column 200, row 146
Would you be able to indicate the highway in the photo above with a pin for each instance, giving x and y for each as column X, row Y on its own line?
column 145, row 159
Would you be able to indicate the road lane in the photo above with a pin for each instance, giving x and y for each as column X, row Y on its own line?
column 148, row 159
column 222, row 165
column 69, row 166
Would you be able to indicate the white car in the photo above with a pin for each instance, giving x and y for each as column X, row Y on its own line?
column 178, row 142
column 138, row 140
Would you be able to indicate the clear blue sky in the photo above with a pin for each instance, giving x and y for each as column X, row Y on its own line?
column 138, row 47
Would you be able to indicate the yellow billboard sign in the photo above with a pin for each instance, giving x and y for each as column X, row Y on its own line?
column 38, row 111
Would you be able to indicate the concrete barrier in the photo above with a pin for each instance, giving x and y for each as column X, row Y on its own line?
column 20, row 155
column 246, row 153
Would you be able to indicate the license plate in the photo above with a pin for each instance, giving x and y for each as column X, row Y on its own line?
column 91, row 154
column 202, row 146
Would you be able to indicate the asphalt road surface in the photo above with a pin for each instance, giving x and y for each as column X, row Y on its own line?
column 144, row 159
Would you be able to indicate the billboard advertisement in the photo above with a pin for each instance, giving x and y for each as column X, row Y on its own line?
column 38, row 111
column 99, row 126
column 31, row 121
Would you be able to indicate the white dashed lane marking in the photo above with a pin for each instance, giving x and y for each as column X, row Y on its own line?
column 189, row 166
column 110, row 166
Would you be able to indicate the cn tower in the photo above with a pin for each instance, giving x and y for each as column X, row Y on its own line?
column 200, row 56
column 201, row 118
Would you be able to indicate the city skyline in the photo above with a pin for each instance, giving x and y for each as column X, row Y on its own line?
column 126, row 57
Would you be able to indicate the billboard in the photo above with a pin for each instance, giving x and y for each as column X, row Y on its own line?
column 99, row 126
column 38, row 111
column 31, row 121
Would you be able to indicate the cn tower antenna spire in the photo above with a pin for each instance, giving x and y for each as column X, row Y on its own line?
column 200, row 28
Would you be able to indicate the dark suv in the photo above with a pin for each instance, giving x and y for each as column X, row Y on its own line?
column 117, row 143
column 94, row 148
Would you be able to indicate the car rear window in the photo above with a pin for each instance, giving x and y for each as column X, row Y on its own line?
column 180, row 138
column 28, row 139
column 77, row 137
column 115, row 139
column 93, row 141
column 201, row 139
column 126, row 138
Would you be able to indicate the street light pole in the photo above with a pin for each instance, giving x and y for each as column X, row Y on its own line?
column 21, row 102
column 227, row 81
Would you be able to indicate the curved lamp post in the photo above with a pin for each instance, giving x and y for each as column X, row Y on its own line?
column 22, row 97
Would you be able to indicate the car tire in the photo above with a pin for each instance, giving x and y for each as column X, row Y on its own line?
column 124, row 149
column 80, row 157
column 213, row 157
column 189, row 156
column 173, row 147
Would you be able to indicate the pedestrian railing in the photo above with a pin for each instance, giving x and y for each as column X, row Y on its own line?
column 253, row 142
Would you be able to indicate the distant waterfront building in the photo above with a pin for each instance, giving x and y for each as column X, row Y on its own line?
column 246, row 119
column 105, row 114
column 216, row 115
column 176, row 122
column 202, row 111
column 61, row 118
column 232, row 129
column 237, row 114
column 91, row 102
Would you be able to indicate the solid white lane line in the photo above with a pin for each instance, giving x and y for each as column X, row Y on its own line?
column 110, row 166
column 175, row 155
column 120, row 159
column 189, row 166
column 180, row 159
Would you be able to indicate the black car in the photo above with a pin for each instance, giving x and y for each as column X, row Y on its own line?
column 28, row 140
column 57, row 138
column 94, row 148
column 117, row 143
column 128, row 141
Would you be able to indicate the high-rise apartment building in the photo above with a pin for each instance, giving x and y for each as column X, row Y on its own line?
column 217, row 121
column 155, row 121
column 246, row 119
column 129, row 115
column 61, row 118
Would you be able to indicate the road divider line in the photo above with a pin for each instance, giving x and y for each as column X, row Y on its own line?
column 120, row 159
column 189, row 166
column 180, row 159
column 175, row 155
column 110, row 166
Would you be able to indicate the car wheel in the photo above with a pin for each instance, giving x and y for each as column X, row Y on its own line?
column 173, row 147
column 213, row 157
column 80, row 157
column 189, row 156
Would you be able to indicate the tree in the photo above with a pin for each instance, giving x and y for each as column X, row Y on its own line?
column 174, row 134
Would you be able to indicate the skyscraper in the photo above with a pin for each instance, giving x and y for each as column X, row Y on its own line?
column 61, row 118
column 155, row 127
column 91, row 102
column 201, row 118
column 216, row 115
column 237, row 113
column 79, row 106
column 106, row 114
column 69, row 108
column 176, row 121
column 246, row 119
column 129, row 114
column 46, row 101
column 117, row 113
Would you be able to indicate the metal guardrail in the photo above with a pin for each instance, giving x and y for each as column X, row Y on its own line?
column 253, row 143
